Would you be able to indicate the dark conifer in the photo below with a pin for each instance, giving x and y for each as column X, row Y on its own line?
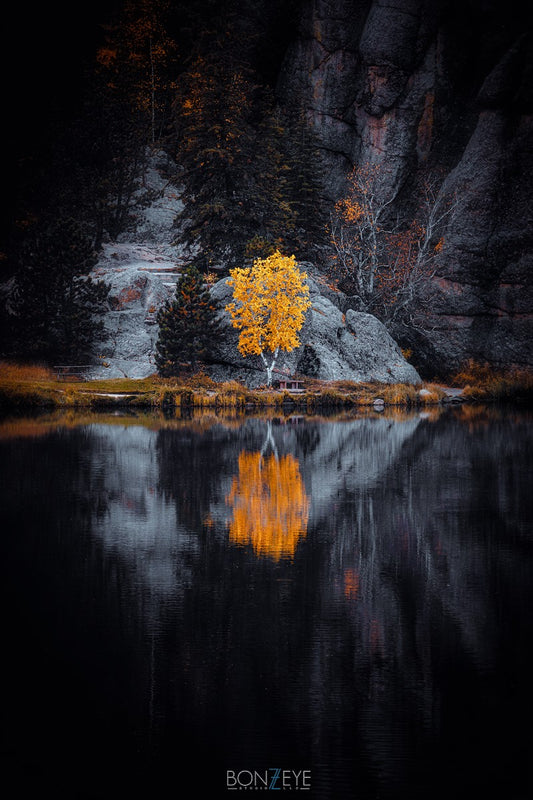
column 56, row 305
column 187, row 325
column 247, row 170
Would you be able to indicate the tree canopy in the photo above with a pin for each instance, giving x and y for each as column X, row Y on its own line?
column 187, row 325
column 56, row 305
column 270, row 300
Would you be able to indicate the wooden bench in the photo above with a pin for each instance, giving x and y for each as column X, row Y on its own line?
column 67, row 372
column 291, row 385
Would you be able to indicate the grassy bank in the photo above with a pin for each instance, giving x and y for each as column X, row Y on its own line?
column 27, row 386
column 481, row 382
column 33, row 386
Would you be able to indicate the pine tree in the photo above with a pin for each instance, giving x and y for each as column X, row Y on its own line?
column 97, row 161
column 187, row 325
column 304, row 184
column 56, row 304
column 248, row 170
column 216, row 143
column 137, row 62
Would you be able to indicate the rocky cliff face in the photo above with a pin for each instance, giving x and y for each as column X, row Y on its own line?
column 416, row 85
column 143, row 267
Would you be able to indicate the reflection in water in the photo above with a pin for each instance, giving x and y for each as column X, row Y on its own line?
column 381, row 639
column 270, row 506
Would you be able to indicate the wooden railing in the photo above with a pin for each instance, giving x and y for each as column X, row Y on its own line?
column 66, row 372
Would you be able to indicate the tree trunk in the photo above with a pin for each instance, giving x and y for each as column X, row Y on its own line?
column 153, row 92
column 270, row 367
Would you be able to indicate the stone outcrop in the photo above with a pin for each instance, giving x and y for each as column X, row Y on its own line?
column 416, row 85
column 365, row 74
column 334, row 346
column 484, row 304
column 143, row 268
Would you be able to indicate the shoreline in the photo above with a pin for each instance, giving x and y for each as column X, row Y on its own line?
column 159, row 394
column 37, row 388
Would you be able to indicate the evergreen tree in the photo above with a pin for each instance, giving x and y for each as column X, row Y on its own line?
column 137, row 62
column 247, row 168
column 98, row 169
column 56, row 305
column 187, row 325
column 304, row 185
column 216, row 151
column 96, row 163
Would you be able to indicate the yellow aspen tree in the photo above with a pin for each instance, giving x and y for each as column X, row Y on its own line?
column 270, row 300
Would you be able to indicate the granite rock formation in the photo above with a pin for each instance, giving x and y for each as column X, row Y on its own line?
column 417, row 86
column 143, row 267
column 334, row 346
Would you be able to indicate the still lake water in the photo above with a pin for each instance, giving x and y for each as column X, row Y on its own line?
column 191, row 605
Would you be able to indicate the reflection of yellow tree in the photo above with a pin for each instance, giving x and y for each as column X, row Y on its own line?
column 270, row 506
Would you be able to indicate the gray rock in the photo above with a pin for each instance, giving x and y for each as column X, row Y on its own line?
column 334, row 346
column 365, row 73
column 393, row 83
column 142, row 269
column 396, row 33
column 484, row 296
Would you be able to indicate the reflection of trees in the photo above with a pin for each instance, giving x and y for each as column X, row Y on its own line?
column 411, row 577
column 424, row 565
column 191, row 463
column 70, row 619
column 270, row 506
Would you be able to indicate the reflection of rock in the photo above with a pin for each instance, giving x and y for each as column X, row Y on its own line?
column 386, row 498
column 139, row 526
column 421, row 522
column 352, row 457
column 334, row 345
column 412, row 526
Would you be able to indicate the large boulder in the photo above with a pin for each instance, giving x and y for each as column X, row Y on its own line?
column 335, row 345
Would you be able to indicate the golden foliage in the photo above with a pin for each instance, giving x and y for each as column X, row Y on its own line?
column 106, row 57
column 482, row 381
column 270, row 505
column 270, row 299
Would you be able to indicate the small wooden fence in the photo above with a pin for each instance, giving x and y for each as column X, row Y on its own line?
column 71, row 372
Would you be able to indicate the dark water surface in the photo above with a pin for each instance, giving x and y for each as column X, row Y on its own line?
column 192, row 605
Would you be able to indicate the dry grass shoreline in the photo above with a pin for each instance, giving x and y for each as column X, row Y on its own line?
column 23, row 386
